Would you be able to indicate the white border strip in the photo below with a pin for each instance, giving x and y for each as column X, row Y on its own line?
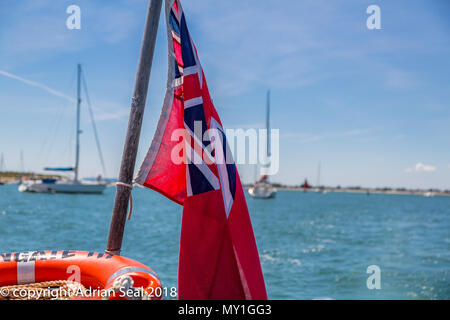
column 25, row 272
column 193, row 102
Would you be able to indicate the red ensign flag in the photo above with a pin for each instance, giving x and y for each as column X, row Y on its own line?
column 189, row 162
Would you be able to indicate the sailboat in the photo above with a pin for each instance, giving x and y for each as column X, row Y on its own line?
column 74, row 185
column 263, row 189
column 319, row 188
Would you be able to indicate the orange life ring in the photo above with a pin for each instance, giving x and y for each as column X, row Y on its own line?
column 96, row 271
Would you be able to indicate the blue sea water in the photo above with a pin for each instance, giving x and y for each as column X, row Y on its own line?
column 311, row 245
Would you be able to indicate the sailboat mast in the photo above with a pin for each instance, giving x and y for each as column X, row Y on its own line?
column 77, row 147
column 134, row 128
column 318, row 175
column 268, row 123
column 22, row 166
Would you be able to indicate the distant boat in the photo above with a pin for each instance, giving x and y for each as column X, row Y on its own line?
column 305, row 186
column 428, row 194
column 321, row 190
column 50, row 185
column 263, row 189
column 65, row 185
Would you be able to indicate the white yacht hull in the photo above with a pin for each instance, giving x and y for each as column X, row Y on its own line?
column 62, row 186
column 262, row 192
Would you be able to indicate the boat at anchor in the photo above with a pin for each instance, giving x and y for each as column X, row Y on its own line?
column 74, row 185
column 263, row 189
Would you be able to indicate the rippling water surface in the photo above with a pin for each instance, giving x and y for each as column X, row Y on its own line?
column 311, row 245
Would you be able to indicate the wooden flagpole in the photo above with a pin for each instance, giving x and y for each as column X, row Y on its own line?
column 134, row 128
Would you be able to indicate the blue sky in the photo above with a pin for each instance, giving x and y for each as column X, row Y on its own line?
column 372, row 106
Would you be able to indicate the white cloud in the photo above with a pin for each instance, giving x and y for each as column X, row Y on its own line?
column 37, row 29
column 104, row 110
column 420, row 167
column 263, row 45
column 308, row 137
column 110, row 111
column 38, row 85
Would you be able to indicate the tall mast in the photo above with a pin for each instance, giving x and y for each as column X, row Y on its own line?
column 77, row 147
column 318, row 175
column 22, row 166
column 268, row 123
column 134, row 128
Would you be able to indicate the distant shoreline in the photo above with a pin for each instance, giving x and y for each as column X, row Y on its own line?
column 14, row 177
column 10, row 177
column 400, row 191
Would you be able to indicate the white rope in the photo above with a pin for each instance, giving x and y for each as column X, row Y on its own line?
column 124, row 287
column 123, row 184
column 130, row 186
